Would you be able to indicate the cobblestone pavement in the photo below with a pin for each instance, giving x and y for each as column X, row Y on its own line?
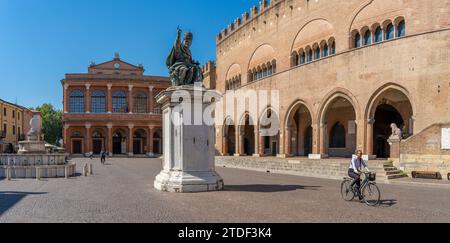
column 122, row 191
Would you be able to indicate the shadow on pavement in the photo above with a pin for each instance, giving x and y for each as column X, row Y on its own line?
column 268, row 188
column 388, row 203
column 9, row 199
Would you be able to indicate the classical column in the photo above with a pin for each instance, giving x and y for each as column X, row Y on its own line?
column 130, row 140
column 237, row 143
column 130, row 98
column 151, row 130
column 224, row 145
column 88, row 98
column 315, row 140
column 242, row 142
column 323, row 140
column 150, row 100
column 66, row 138
column 262, row 146
column 109, row 99
column 110, row 139
column 257, row 144
column 66, row 98
column 370, row 139
column 88, row 141
column 288, row 143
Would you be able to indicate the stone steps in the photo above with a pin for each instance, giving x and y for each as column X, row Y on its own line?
column 327, row 168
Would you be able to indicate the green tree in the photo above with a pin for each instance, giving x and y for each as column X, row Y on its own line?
column 51, row 123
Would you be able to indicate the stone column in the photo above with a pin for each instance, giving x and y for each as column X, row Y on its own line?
column 237, row 142
column 150, row 100
column 66, row 99
column 315, row 139
column 369, row 140
column 257, row 144
column 288, row 142
column 110, row 139
column 242, row 144
column 130, row 98
column 151, row 130
column 130, row 140
column 224, row 146
column 88, row 139
column 109, row 99
column 88, row 98
column 320, row 134
column 66, row 138
column 262, row 146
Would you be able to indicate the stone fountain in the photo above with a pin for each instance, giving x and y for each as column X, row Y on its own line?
column 32, row 160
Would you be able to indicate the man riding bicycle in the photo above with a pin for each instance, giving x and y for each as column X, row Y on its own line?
column 355, row 171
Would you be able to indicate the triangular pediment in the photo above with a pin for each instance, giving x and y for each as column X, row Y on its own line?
column 116, row 66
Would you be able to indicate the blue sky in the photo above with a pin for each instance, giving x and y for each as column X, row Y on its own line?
column 41, row 40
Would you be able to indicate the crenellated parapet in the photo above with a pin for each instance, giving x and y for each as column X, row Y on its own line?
column 247, row 17
column 209, row 75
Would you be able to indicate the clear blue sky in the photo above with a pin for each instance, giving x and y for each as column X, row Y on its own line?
column 41, row 40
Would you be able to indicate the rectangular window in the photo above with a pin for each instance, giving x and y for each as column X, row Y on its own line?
column 4, row 112
column 5, row 128
column 14, row 130
column 18, row 116
column 14, row 114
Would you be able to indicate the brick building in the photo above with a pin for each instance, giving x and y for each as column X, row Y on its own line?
column 112, row 108
column 345, row 70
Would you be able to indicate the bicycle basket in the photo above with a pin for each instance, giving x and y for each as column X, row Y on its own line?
column 372, row 177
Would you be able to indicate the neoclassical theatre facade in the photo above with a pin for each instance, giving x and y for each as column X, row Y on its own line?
column 345, row 71
column 112, row 108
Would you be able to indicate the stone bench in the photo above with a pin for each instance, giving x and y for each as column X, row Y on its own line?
column 427, row 175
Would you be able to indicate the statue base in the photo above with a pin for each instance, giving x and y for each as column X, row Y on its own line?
column 189, row 149
column 32, row 147
column 182, row 182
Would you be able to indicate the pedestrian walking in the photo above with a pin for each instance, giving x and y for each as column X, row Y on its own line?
column 103, row 157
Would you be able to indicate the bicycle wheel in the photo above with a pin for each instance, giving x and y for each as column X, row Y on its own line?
column 371, row 194
column 346, row 191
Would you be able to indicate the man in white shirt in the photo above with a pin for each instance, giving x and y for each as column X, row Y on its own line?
column 356, row 169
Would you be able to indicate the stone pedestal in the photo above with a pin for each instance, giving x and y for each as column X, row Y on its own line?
column 395, row 148
column 31, row 147
column 189, row 151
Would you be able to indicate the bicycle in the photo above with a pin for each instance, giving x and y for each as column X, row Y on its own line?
column 369, row 190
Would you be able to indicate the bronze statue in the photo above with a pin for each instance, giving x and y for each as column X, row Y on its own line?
column 183, row 69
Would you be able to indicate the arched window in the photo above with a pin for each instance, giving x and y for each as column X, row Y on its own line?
column 357, row 40
column 98, row 102
column 378, row 35
column 295, row 60
column 255, row 75
column 260, row 73
column 337, row 136
column 265, row 72
column 140, row 103
column 325, row 50
column 390, row 32
column 401, row 30
column 310, row 56
column 76, row 102
column 119, row 102
column 333, row 48
column 317, row 53
column 303, row 58
column 270, row 70
column 367, row 38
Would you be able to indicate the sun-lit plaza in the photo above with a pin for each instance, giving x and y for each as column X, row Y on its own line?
column 272, row 111
column 122, row 191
